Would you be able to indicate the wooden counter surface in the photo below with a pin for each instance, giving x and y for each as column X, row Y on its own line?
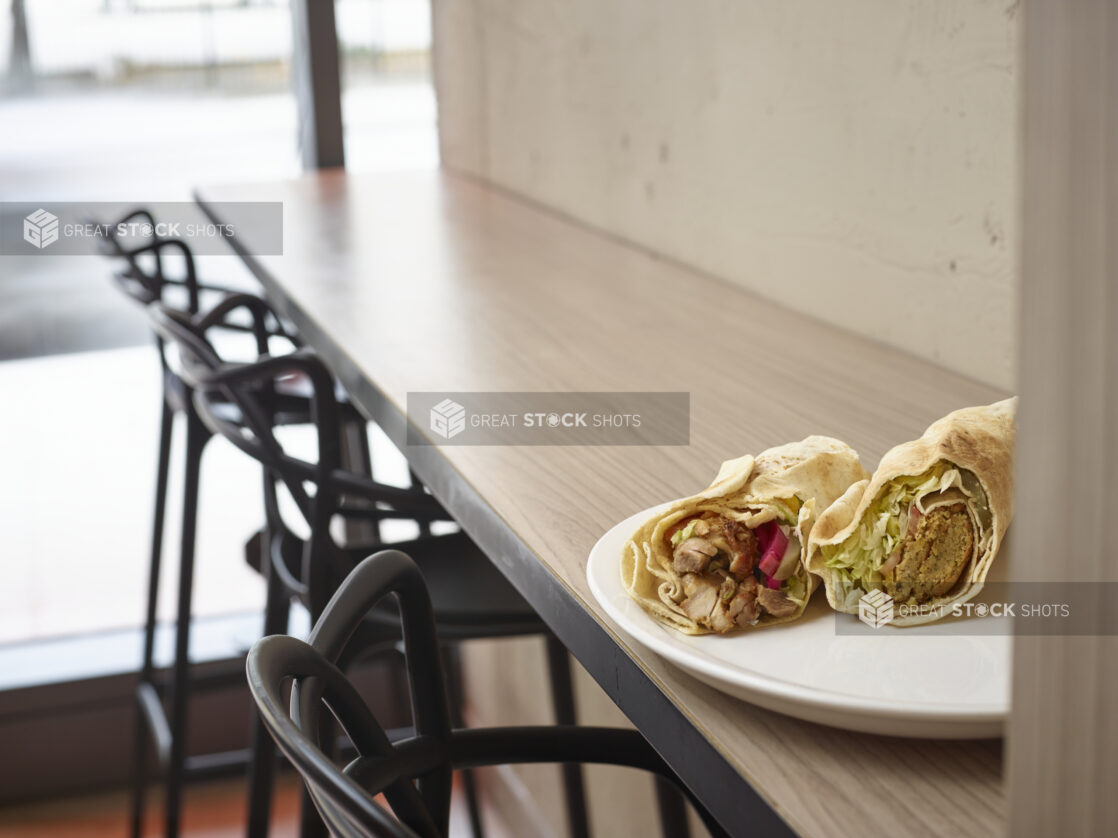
column 429, row 281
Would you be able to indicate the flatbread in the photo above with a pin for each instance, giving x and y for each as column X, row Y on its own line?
column 978, row 440
column 816, row 470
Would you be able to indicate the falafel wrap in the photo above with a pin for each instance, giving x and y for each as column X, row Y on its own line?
column 732, row 556
column 926, row 528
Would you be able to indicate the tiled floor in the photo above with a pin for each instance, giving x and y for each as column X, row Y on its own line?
column 213, row 810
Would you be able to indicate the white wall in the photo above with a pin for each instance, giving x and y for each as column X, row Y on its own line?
column 854, row 159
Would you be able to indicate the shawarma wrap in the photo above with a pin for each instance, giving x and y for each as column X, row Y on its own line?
column 926, row 528
column 733, row 555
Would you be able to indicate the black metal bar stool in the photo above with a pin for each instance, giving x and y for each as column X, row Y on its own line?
column 146, row 278
column 413, row 774
column 472, row 599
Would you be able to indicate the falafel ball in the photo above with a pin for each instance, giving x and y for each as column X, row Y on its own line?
column 933, row 557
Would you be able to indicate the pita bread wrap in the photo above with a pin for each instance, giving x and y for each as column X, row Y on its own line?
column 697, row 566
column 926, row 527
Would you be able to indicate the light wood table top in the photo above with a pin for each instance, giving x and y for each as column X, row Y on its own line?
column 432, row 282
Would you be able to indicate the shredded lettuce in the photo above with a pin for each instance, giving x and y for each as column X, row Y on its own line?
column 682, row 535
column 795, row 588
column 878, row 534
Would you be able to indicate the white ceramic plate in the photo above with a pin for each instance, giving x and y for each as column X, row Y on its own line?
column 899, row 682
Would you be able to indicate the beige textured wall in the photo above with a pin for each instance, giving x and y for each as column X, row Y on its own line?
column 856, row 160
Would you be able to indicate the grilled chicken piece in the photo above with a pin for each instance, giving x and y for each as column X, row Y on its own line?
column 740, row 537
column 715, row 598
column 721, row 607
column 742, row 566
column 702, row 598
column 775, row 602
column 693, row 555
column 743, row 609
column 720, row 618
column 734, row 538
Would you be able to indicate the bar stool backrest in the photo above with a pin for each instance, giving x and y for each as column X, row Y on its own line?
column 251, row 388
column 150, row 275
column 345, row 797
column 413, row 774
column 146, row 276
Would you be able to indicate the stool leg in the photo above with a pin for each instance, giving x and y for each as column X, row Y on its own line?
column 563, row 700
column 139, row 748
column 196, row 436
column 457, row 690
column 311, row 824
column 261, row 771
column 358, row 458
column 317, row 578
column 673, row 810
column 417, row 484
